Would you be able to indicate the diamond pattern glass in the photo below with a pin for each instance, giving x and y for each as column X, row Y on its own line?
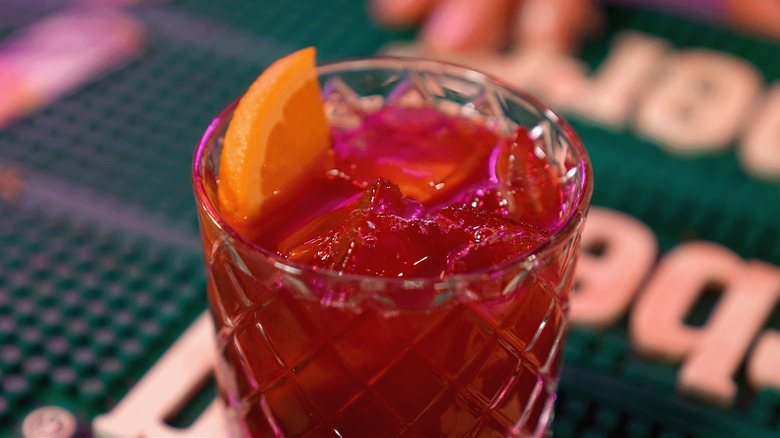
column 307, row 352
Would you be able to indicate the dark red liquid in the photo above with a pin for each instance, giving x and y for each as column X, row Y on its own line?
column 415, row 194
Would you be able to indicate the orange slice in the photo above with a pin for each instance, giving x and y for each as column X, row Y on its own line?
column 278, row 136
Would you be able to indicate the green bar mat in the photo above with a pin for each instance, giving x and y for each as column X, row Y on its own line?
column 101, row 267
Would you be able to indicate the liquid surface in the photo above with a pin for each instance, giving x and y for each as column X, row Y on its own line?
column 418, row 193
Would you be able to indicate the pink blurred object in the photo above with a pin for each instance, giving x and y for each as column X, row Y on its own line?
column 62, row 52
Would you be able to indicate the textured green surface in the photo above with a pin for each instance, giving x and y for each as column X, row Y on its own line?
column 100, row 269
column 707, row 197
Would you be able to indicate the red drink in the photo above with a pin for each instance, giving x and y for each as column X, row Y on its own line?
column 419, row 288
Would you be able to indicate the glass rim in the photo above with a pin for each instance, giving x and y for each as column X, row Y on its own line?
column 580, row 203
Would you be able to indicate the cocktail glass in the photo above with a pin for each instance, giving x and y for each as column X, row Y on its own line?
column 312, row 352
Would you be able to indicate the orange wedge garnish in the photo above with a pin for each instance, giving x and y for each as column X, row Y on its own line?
column 277, row 138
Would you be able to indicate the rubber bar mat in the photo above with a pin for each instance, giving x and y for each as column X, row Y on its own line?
column 100, row 268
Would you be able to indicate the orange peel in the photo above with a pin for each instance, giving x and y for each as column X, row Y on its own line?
column 277, row 137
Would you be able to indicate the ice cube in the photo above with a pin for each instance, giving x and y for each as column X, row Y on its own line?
column 487, row 238
column 527, row 183
column 426, row 153
column 384, row 234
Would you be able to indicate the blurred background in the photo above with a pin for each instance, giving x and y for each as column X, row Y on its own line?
column 102, row 104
